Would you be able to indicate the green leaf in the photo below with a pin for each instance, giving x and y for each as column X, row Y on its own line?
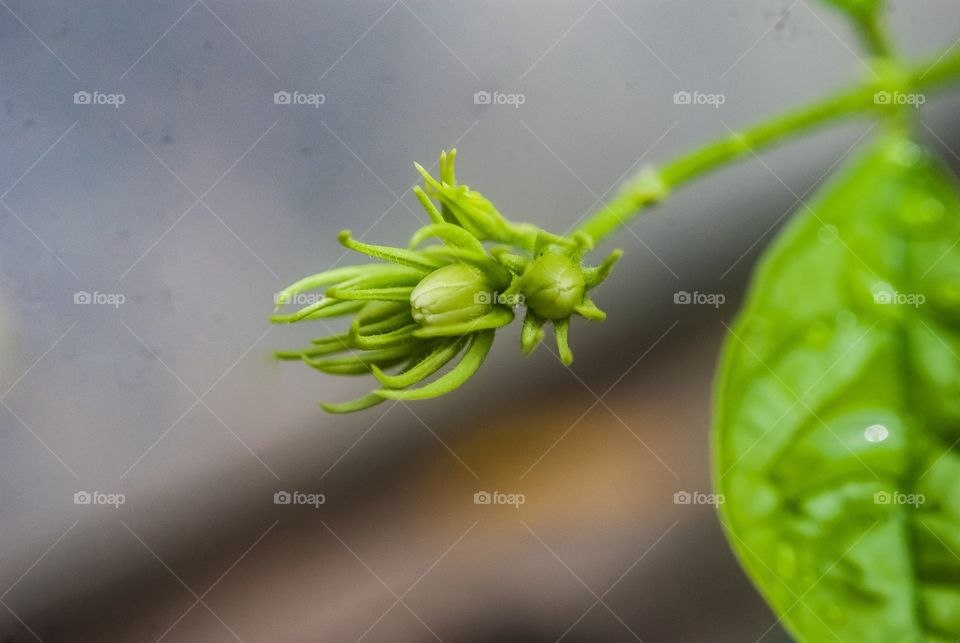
column 837, row 413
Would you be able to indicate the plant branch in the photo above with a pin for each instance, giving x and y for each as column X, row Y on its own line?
column 651, row 186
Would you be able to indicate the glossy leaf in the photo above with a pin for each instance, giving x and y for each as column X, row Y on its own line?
column 838, row 409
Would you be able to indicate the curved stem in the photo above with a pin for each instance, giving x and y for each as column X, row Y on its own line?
column 651, row 186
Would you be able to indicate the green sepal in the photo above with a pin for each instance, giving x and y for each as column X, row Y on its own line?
column 589, row 310
column 332, row 339
column 388, row 339
column 448, row 233
column 498, row 274
column 397, row 293
column 358, row 404
column 597, row 274
column 377, row 311
column 476, row 352
column 422, row 369
column 471, row 209
column 499, row 316
column 323, row 309
column 387, row 276
column 561, row 329
column 435, row 215
column 359, row 363
column 393, row 322
column 531, row 334
column 400, row 256
column 513, row 262
column 320, row 279
column 315, row 351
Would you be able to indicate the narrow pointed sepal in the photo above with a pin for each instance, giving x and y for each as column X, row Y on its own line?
column 315, row 281
column 322, row 309
column 422, row 369
column 400, row 256
column 496, row 318
column 454, row 378
column 561, row 329
column 589, row 310
column 532, row 333
column 428, row 205
column 596, row 275
column 358, row 404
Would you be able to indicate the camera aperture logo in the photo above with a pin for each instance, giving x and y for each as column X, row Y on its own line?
column 698, row 298
column 299, row 98
column 99, row 98
column 498, row 98
column 96, row 298
column 299, row 498
column 499, row 498
column 699, row 98
column 698, row 498
column 99, row 498
column 898, row 498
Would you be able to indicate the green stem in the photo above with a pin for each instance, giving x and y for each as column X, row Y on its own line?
column 873, row 33
column 651, row 186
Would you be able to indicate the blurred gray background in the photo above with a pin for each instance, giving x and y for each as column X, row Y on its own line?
column 183, row 209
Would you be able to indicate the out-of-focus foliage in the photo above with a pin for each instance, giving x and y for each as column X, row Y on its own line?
column 838, row 409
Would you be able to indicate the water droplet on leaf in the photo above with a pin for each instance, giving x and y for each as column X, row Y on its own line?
column 876, row 433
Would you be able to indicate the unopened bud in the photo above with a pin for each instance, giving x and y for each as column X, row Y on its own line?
column 451, row 294
column 553, row 286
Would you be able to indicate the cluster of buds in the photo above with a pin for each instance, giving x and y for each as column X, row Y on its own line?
column 416, row 309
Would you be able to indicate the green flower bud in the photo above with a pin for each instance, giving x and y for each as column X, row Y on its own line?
column 450, row 295
column 553, row 286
